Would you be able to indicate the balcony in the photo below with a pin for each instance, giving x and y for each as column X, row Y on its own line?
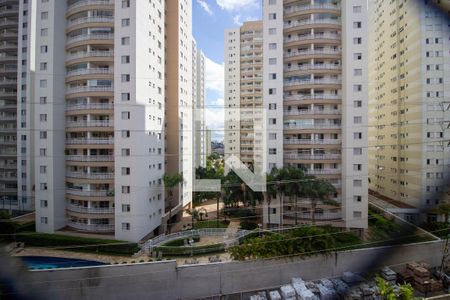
column 90, row 158
column 312, row 126
column 90, row 106
column 8, row 118
column 299, row 8
column 312, row 22
column 6, row 81
column 93, row 71
column 76, row 124
column 288, row 83
column 83, row 54
column 87, row 37
column 8, row 69
column 99, row 193
column 311, row 67
column 93, row 176
column 307, row 37
column 312, row 142
column 313, row 52
column 309, row 156
column 90, row 141
column 90, row 210
column 90, row 89
column 8, row 23
column 85, row 20
column 312, row 97
column 91, row 227
column 324, row 172
column 84, row 3
column 8, row 58
column 300, row 112
column 9, row 11
column 325, row 216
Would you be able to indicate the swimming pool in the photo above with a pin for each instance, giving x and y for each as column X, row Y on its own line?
column 46, row 262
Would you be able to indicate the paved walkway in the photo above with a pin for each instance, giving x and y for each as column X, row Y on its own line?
column 232, row 229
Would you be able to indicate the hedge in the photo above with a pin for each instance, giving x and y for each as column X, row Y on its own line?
column 180, row 242
column 181, row 251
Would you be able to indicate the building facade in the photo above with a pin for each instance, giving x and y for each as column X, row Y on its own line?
column 409, row 103
column 105, row 103
column 315, row 95
column 243, row 90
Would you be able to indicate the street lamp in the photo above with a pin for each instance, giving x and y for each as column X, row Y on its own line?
column 191, row 243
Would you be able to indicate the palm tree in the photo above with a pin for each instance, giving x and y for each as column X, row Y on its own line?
column 317, row 190
column 294, row 186
column 271, row 190
column 170, row 182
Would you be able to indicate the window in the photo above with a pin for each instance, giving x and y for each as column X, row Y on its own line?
column 43, row 169
column 357, row 215
column 44, row 203
column 44, row 15
column 126, row 115
column 126, row 133
column 43, row 83
column 272, row 136
column 272, row 16
column 272, row 106
column 357, row 72
column 272, row 61
column 272, row 76
column 357, row 120
column 272, row 91
column 43, row 66
column 125, row 189
column 43, row 117
column 356, row 25
column 126, row 208
column 44, row 49
column 43, row 152
column 43, row 135
column 357, row 103
column 125, row 96
column 272, row 121
column 43, row 186
column 125, row 77
column 357, row 183
column 357, row 9
column 125, row 59
column 125, row 226
column 357, row 88
column 357, row 56
column 357, row 151
column 272, row 31
column 272, row 151
column 125, row 41
column 125, row 3
column 357, row 198
column 126, row 171
column 43, row 100
column 272, row 46
column 44, row 32
column 357, row 135
column 272, row 2
column 357, row 167
column 357, row 41
column 44, row 220
column 126, row 152
column 125, row 22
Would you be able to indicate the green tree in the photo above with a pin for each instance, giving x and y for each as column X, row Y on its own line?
column 386, row 290
column 294, row 186
column 170, row 182
column 317, row 190
column 444, row 209
column 406, row 292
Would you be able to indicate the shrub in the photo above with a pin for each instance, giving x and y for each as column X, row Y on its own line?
column 248, row 225
column 180, row 242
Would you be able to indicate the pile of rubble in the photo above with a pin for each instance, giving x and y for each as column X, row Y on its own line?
column 350, row 286
column 420, row 277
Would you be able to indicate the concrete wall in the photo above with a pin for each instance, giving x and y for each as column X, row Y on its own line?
column 167, row 281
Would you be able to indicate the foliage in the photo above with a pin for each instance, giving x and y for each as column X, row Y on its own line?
column 444, row 209
column 9, row 227
column 302, row 241
column 406, row 291
column 386, row 290
column 248, row 225
column 239, row 213
column 211, row 224
column 180, row 242
column 182, row 251
column 438, row 228
column 4, row 214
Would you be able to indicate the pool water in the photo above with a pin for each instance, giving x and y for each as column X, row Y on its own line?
column 46, row 262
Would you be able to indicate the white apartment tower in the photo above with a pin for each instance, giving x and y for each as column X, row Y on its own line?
column 315, row 93
column 106, row 91
column 410, row 104
column 243, row 90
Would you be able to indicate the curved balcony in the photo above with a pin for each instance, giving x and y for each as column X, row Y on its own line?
column 325, row 216
column 90, row 158
column 316, row 68
column 310, row 38
column 311, row 8
column 90, row 106
column 308, row 156
column 311, row 82
column 8, row 46
column 83, row 56
column 324, row 172
column 312, row 126
column 317, row 23
column 90, row 21
column 8, row 58
column 91, row 227
column 6, row 152
column 90, row 210
column 100, row 193
column 92, row 73
column 80, row 91
column 8, row 82
column 106, row 38
column 106, row 123
column 9, row 69
column 9, row 11
column 298, row 112
column 7, row 23
column 84, row 5
column 312, row 142
column 316, row 53
column 94, row 176
column 90, row 141
column 312, row 98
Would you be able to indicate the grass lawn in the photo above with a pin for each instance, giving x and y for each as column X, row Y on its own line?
column 210, row 224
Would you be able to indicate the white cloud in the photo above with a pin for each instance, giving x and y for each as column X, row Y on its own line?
column 205, row 7
column 214, row 76
column 215, row 121
column 232, row 5
column 237, row 20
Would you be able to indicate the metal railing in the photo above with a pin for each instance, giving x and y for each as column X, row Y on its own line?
column 99, row 193
column 90, row 123
column 90, row 210
column 295, row 112
column 312, row 37
column 310, row 67
column 89, row 106
column 310, row 22
column 78, row 21
column 90, row 158
column 90, row 141
column 312, row 126
column 311, row 81
column 90, row 71
column 324, row 172
column 312, row 97
column 89, row 2
column 313, row 52
column 87, row 89
column 298, row 8
column 301, row 156
column 90, row 175
column 91, row 227
column 92, row 36
column 85, row 54
column 312, row 142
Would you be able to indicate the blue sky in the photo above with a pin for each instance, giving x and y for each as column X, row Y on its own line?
column 210, row 19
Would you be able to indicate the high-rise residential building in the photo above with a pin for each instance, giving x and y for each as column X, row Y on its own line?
column 315, row 94
column 106, row 111
column 409, row 104
column 198, row 98
column 243, row 90
column 9, row 20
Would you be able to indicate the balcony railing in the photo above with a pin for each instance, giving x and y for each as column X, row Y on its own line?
column 312, row 97
column 90, row 141
column 298, row 8
column 324, row 172
column 90, row 175
column 297, row 112
column 90, row 158
column 310, row 22
column 317, row 216
column 89, row 2
column 71, row 124
column 94, row 36
column 306, row 156
column 312, row 126
column 84, row 54
column 313, row 67
column 87, row 89
column 92, row 227
column 312, row 37
column 311, row 81
column 99, row 193
column 90, row 20
column 89, row 106
column 313, row 52
column 312, row 142
column 90, row 210
column 90, row 71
